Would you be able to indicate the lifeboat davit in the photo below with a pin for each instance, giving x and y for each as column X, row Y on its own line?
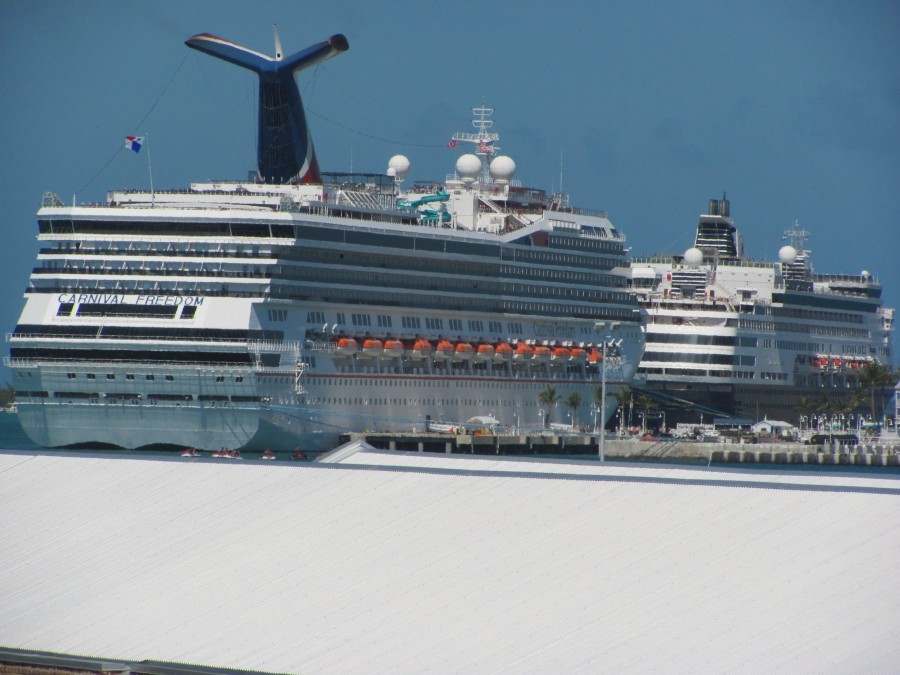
column 484, row 353
column 393, row 348
column 372, row 348
column 346, row 347
column 523, row 352
column 421, row 349
column 561, row 355
column 464, row 352
column 444, row 350
column 542, row 354
column 503, row 352
column 579, row 355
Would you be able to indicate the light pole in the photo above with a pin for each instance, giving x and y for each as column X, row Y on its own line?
column 601, row 450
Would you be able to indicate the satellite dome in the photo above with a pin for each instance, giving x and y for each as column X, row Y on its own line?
column 468, row 167
column 693, row 257
column 864, row 274
column 787, row 254
column 400, row 165
column 502, row 168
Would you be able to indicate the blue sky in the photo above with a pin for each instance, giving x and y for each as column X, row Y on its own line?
column 645, row 109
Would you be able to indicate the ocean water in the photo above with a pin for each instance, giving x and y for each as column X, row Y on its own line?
column 11, row 435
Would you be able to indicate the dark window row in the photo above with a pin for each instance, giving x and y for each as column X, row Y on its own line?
column 139, row 227
column 146, row 333
column 129, row 356
column 697, row 339
column 718, row 359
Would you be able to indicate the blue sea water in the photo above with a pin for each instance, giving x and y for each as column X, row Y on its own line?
column 11, row 435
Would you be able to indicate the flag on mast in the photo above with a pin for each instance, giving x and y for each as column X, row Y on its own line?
column 134, row 143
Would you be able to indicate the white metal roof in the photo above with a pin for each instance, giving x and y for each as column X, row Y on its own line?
column 464, row 567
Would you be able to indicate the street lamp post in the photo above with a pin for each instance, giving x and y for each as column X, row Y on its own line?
column 602, row 443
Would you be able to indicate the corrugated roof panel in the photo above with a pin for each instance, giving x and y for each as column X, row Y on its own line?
column 311, row 568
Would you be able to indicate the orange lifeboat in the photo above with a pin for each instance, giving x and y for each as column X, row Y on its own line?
column 393, row 349
column 484, row 353
column 346, row 347
column 421, row 349
column 596, row 356
column 464, row 352
column 503, row 352
column 561, row 355
column 579, row 355
column 523, row 352
column 372, row 348
column 444, row 350
column 542, row 354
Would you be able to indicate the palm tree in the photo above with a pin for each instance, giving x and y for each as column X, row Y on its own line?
column 573, row 402
column 874, row 378
column 549, row 397
column 645, row 403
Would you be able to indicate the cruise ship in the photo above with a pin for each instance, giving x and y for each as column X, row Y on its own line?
column 282, row 311
column 731, row 336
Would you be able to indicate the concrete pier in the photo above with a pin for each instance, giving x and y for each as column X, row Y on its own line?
column 629, row 449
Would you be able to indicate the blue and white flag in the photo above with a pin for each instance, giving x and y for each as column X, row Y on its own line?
column 134, row 142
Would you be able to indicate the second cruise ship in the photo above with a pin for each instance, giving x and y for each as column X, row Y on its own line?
column 729, row 335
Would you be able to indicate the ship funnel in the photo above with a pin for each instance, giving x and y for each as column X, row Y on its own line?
column 285, row 152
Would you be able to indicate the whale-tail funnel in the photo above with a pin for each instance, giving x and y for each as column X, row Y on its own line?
column 285, row 151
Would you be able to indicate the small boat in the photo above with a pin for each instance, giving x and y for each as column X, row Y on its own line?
column 346, row 347
column 503, row 352
column 484, row 353
column 372, row 348
column 579, row 355
column 523, row 352
column 444, row 350
column 561, row 355
column 542, row 354
column 393, row 349
column 268, row 454
column 421, row 349
column 464, row 352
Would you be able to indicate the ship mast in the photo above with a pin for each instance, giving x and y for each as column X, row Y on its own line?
column 484, row 140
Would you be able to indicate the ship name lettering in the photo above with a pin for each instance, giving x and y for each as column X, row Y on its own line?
column 170, row 300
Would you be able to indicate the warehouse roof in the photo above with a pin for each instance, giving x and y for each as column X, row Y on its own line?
column 414, row 563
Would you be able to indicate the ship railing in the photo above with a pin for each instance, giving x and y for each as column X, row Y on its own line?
column 273, row 346
column 19, row 362
column 92, row 337
column 852, row 278
column 321, row 346
column 579, row 211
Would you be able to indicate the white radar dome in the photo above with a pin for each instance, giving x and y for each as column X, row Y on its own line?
column 502, row 168
column 787, row 254
column 864, row 274
column 468, row 167
column 400, row 166
column 693, row 257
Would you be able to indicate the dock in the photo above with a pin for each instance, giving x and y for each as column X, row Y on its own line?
column 584, row 445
